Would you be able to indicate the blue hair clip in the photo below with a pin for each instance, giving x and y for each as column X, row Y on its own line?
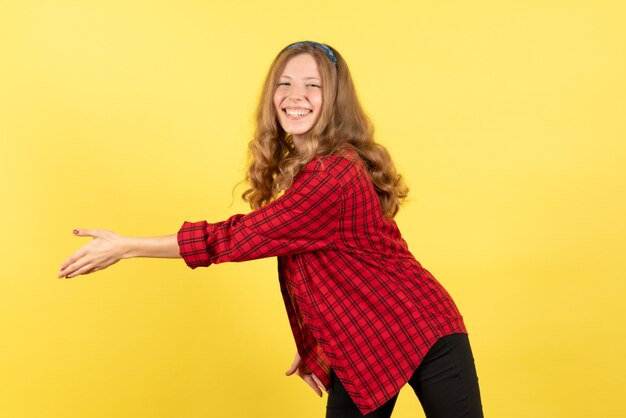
column 323, row 47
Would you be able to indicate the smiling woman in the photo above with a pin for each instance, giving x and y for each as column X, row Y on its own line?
column 366, row 317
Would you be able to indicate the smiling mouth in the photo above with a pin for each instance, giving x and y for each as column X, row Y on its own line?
column 296, row 113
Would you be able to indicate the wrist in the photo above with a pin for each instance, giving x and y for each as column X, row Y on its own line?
column 155, row 247
column 128, row 247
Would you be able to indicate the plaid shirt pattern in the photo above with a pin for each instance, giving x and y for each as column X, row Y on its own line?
column 357, row 299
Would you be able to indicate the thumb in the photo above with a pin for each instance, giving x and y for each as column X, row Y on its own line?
column 291, row 370
column 294, row 366
column 79, row 232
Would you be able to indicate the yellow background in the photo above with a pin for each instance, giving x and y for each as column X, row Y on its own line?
column 506, row 118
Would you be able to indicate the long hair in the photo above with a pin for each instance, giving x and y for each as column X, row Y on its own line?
column 273, row 159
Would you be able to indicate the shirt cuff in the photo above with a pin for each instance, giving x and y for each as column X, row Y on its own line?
column 192, row 244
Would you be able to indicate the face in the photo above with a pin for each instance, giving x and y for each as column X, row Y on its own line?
column 298, row 97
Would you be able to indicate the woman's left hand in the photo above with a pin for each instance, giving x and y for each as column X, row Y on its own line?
column 105, row 249
column 306, row 374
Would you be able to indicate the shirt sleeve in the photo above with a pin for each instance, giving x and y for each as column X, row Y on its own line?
column 305, row 218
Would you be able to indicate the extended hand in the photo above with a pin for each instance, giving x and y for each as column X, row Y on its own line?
column 306, row 374
column 105, row 249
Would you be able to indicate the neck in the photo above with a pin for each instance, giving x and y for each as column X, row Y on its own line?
column 299, row 141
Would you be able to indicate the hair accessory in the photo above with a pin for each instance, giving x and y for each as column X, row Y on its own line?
column 323, row 47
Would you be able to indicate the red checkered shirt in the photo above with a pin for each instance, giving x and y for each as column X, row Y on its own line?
column 356, row 298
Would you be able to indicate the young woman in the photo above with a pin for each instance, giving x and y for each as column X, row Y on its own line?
column 366, row 317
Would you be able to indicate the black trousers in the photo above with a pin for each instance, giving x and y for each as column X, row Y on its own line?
column 445, row 383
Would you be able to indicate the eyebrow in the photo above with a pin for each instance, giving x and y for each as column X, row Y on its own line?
column 305, row 78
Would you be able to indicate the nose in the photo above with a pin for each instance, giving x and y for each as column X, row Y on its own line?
column 297, row 92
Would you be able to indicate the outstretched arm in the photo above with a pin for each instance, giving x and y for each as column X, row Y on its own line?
column 304, row 218
column 107, row 248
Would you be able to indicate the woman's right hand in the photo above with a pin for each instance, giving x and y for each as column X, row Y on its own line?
column 105, row 249
column 306, row 374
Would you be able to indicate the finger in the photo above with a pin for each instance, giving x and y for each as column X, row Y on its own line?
column 78, row 268
column 318, row 382
column 294, row 365
column 98, row 265
column 72, row 260
column 309, row 379
column 80, row 232
column 292, row 369
column 85, row 270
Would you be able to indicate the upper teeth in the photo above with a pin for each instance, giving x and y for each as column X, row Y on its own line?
column 297, row 112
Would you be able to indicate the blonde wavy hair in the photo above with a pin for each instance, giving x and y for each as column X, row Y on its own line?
column 273, row 159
